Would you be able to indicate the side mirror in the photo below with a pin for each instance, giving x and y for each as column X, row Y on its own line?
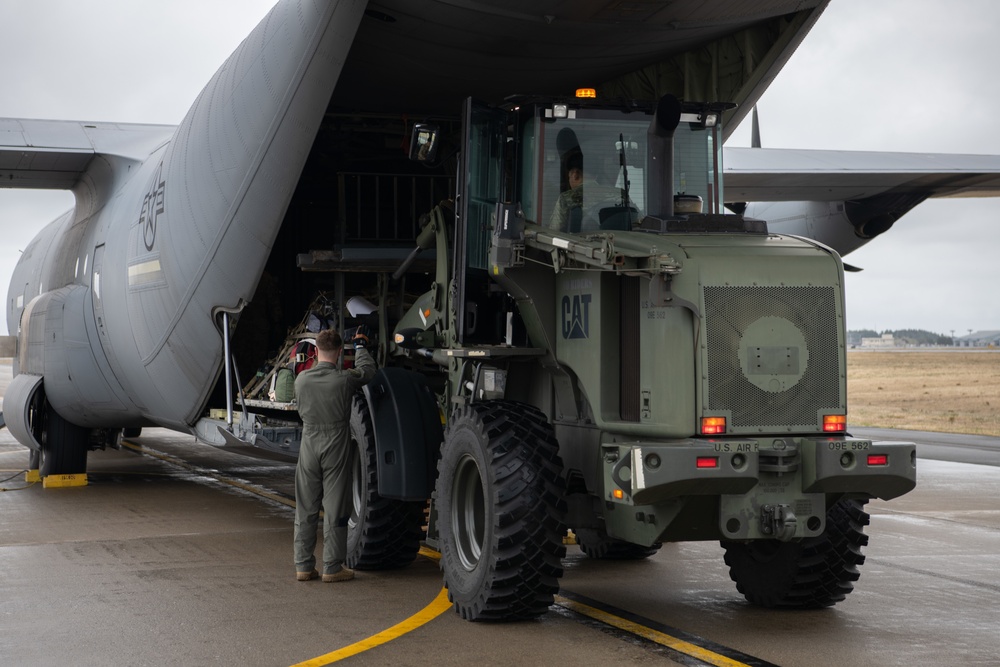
column 424, row 142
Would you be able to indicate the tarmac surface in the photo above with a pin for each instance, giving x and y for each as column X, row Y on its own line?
column 177, row 553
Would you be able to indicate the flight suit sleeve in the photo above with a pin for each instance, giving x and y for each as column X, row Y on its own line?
column 364, row 368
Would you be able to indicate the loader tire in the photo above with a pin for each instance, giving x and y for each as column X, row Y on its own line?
column 809, row 574
column 382, row 533
column 501, row 508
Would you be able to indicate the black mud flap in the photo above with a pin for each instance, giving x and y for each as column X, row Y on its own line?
column 408, row 433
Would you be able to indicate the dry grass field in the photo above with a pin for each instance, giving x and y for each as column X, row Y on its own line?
column 950, row 391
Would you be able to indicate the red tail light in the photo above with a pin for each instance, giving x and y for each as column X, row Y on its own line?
column 878, row 459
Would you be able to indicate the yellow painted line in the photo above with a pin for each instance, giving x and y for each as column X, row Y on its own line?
column 438, row 606
column 679, row 645
column 440, row 603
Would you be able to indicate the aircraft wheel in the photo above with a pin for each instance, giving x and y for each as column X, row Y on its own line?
column 595, row 543
column 811, row 573
column 500, row 501
column 64, row 446
column 382, row 533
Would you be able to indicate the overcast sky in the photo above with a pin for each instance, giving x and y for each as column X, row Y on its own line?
column 893, row 75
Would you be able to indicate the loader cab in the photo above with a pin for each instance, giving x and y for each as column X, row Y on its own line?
column 585, row 167
column 528, row 151
column 573, row 166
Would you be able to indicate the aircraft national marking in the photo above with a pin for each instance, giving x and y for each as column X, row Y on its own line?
column 152, row 206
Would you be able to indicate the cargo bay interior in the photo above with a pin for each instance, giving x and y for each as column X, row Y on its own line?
column 355, row 213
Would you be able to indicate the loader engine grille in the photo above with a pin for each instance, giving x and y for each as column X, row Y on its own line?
column 773, row 355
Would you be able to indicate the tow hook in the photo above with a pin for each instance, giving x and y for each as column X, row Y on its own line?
column 778, row 521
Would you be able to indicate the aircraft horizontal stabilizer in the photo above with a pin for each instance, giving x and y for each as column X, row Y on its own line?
column 54, row 155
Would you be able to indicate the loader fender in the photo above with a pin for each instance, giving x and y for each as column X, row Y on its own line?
column 408, row 433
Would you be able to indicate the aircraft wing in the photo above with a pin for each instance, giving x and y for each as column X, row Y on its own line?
column 770, row 174
column 54, row 154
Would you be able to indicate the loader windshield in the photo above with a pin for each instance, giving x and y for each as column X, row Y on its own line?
column 587, row 172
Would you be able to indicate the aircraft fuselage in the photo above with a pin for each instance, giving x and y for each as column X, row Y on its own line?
column 117, row 304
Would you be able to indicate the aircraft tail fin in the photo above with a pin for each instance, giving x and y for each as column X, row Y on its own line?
column 755, row 130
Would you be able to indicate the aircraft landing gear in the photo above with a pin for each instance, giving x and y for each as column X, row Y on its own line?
column 64, row 449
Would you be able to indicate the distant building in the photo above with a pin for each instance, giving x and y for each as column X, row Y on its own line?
column 885, row 340
column 979, row 339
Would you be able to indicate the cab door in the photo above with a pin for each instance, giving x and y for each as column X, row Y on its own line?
column 480, row 189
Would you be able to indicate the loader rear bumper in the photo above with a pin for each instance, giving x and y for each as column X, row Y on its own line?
column 883, row 470
column 646, row 473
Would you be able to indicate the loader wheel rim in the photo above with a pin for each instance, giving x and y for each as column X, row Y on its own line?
column 469, row 516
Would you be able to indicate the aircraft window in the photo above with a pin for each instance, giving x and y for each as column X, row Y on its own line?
column 97, row 284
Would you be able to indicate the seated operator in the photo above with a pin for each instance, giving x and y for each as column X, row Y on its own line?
column 578, row 208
